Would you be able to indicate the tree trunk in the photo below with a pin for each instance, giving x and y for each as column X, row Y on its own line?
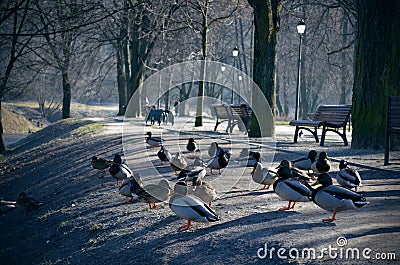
column 279, row 106
column 344, row 73
column 266, row 23
column 135, row 71
column 3, row 146
column 166, row 100
column 377, row 71
column 242, row 44
column 200, row 96
column 280, row 109
column 184, row 95
column 66, row 108
column 121, row 83
column 131, row 67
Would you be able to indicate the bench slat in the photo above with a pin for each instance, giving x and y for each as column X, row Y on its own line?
column 304, row 123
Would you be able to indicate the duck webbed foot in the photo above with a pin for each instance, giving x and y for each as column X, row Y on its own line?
column 288, row 207
column 329, row 220
column 186, row 226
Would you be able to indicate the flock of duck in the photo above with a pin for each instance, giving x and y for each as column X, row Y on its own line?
column 303, row 180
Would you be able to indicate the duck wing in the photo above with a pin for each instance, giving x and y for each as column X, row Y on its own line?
column 101, row 163
column 205, row 192
column 120, row 171
column 153, row 193
column 299, row 175
column 304, row 164
column 263, row 175
column 190, row 174
column 299, row 159
column 343, row 194
column 213, row 163
column 299, row 187
column 350, row 175
column 223, row 159
column 191, row 208
column 161, row 155
column 337, row 198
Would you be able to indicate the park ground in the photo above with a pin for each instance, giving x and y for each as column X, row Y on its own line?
column 85, row 221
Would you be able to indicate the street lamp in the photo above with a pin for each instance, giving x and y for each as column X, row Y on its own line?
column 235, row 54
column 301, row 27
column 239, row 83
column 222, row 87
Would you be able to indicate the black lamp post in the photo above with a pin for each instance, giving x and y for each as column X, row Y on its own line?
column 222, row 88
column 301, row 27
column 239, row 84
column 235, row 54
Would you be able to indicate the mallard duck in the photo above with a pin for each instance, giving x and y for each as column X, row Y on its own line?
column 188, row 174
column 348, row 177
column 118, row 159
column 220, row 161
column 164, row 155
column 214, row 149
column 101, row 163
column 130, row 186
column 264, row 176
column 304, row 163
column 6, row 206
column 203, row 190
column 322, row 164
column 285, row 170
column 300, row 175
column 192, row 146
column 334, row 198
column 190, row 207
column 154, row 193
column 120, row 172
column 290, row 189
column 251, row 160
column 27, row 203
column 153, row 141
column 178, row 162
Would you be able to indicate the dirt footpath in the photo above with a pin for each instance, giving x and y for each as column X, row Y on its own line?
column 85, row 221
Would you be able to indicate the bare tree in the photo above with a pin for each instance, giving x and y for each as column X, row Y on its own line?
column 200, row 17
column 327, row 53
column 13, row 18
column 61, row 15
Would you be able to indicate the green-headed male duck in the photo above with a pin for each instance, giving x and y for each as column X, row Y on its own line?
column 290, row 189
column 348, row 177
column 334, row 198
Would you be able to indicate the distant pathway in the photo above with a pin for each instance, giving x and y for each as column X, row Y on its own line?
column 283, row 142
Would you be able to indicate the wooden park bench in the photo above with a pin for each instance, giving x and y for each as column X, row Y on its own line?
column 392, row 123
column 330, row 117
column 234, row 115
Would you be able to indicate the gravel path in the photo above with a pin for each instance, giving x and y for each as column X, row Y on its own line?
column 85, row 221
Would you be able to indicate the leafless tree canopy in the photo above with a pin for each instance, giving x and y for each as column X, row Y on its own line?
column 94, row 51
